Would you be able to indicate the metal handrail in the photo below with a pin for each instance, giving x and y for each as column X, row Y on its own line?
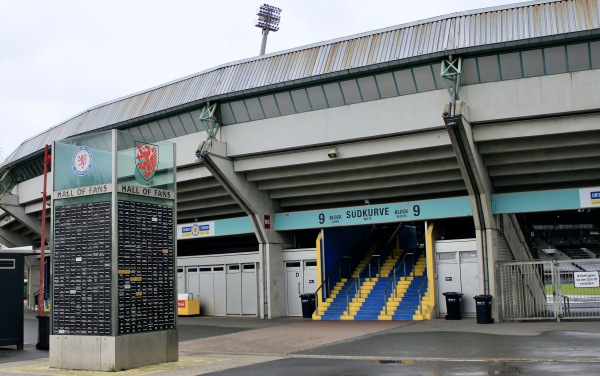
column 394, row 272
column 357, row 282
column 421, row 293
column 385, row 251
column 338, row 267
column 356, row 292
column 326, row 285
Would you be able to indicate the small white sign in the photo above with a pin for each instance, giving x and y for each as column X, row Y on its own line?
column 196, row 230
column 586, row 279
column 589, row 197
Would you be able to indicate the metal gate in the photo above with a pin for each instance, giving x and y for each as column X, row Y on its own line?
column 557, row 289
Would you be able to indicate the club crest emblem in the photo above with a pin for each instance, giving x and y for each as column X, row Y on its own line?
column 82, row 160
column 146, row 162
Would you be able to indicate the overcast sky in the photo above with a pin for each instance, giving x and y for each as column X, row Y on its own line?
column 58, row 58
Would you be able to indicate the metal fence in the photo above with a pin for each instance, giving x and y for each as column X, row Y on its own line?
column 558, row 289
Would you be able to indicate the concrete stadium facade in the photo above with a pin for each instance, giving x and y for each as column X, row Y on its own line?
column 452, row 125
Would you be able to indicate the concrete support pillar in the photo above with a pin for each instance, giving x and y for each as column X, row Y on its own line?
column 275, row 288
column 479, row 186
column 261, row 212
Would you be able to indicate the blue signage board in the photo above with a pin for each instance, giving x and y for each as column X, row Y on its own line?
column 523, row 202
column 372, row 214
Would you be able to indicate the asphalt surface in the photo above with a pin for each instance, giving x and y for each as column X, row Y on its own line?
column 294, row 346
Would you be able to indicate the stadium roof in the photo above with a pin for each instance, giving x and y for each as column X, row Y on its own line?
column 474, row 31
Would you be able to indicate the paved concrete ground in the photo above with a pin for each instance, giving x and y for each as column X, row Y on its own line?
column 293, row 346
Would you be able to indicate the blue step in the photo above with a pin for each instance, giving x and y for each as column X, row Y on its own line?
column 375, row 301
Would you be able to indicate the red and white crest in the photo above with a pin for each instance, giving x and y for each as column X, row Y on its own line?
column 146, row 162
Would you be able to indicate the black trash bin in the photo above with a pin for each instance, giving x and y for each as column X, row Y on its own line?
column 453, row 305
column 483, row 305
column 308, row 305
column 43, row 333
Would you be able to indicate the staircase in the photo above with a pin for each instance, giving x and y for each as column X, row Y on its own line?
column 346, row 292
column 411, row 295
column 373, row 295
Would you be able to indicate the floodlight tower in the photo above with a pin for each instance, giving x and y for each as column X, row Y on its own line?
column 268, row 20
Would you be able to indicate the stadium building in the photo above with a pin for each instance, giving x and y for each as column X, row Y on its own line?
column 379, row 170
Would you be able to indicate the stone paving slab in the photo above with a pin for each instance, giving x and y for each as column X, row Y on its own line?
column 213, row 354
column 186, row 366
column 285, row 339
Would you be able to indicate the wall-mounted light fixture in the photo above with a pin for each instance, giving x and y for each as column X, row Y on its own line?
column 333, row 152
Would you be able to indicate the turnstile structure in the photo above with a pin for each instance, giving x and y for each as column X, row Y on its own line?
column 11, row 295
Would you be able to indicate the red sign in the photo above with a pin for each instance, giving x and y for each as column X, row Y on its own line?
column 146, row 162
column 181, row 304
column 267, row 222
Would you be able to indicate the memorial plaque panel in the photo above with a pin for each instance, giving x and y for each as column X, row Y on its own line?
column 146, row 263
column 81, row 278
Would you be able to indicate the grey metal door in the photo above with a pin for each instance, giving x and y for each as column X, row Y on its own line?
column 309, row 277
column 193, row 282
column 249, row 289
column 234, row 290
column 448, row 272
column 219, row 291
column 181, row 281
column 293, row 271
column 469, row 280
column 206, row 292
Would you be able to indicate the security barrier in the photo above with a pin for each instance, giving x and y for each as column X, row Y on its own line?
column 557, row 289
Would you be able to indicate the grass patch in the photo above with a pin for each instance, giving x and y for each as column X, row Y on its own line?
column 570, row 289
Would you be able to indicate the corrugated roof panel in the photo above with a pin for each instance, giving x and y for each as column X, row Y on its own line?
column 234, row 83
column 357, row 57
column 286, row 64
column 406, row 44
column 167, row 96
column 258, row 76
column 243, row 77
column 330, row 58
column 315, row 61
column 267, row 72
column 178, row 93
column 456, row 31
column 395, row 45
column 338, row 62
column 348, row 54
column 253, row 75
column 311, row 61
column 217, row 85
column 232, row 75
column 292, row 66
column 228, row 77
column 362, row 57
column 320, row 58
column 110, row 112
column 305, row 64
column 431, row 44
column 118, row 112
column 385, row 46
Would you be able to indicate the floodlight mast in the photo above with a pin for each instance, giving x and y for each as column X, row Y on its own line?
column 268, row 20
